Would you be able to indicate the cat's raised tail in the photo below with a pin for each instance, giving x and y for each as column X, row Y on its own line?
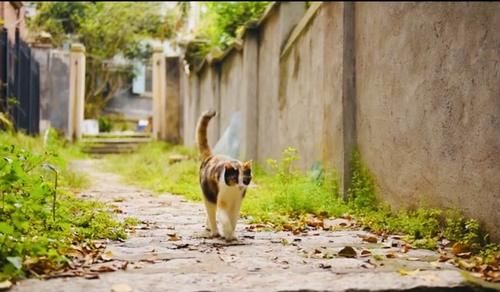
column 201, row 133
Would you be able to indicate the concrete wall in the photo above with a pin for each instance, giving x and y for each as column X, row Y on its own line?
column 209, row 99
column 268, row 89
column 54, row 87
column 428, row 96
column 310, row 94
column 173, row 112
column 414, row 86
column 230, row 88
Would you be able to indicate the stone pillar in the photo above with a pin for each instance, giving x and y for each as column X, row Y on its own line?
column 76, row 92
column 348, row 95
column 159, row 94
column 191, row 109
column 248, row 148
column 173, row 107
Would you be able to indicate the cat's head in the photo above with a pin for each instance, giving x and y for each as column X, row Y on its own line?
column 238, row 173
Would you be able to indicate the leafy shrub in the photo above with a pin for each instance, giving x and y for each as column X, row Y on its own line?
column 104, row 124
column 39, row 218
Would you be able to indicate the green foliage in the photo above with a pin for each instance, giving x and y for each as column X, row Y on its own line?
column 104, row 124
column 39, row 218
column 467, row 232
column 362, row 190
column 105, row 28
column 220, row 25
column 222, row 20
column 59, row 19
column 287, row 193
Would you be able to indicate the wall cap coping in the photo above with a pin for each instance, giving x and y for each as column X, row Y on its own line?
column 215, row 56
column 300, row 27
column 77, row 48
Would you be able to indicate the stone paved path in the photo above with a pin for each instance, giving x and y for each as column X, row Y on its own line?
column 259, row 261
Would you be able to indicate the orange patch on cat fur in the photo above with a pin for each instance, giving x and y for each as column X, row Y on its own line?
column 221, row 204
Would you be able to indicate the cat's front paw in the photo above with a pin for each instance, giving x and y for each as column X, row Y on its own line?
column 214, row 234
column 230, row 237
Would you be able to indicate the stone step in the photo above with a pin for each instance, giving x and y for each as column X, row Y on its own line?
column 118, row 135
column 114, row 143
column 117, row 140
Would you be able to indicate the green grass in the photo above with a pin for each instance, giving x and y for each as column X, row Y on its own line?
column 150, row 168
column 40, row 218
column 284, row 194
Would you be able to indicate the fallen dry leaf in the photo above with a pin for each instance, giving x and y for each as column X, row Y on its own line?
column 458, row 248
column 107, row 256
column 466, row 265
column 91, row 276
column 370, row 239
column 103, row 269
column 366, row 253
column 464, row 255
column 150, row 260
column 315, row 222
column 348, row 252
column 173, row 237
column 405, row 248
column 444, row 258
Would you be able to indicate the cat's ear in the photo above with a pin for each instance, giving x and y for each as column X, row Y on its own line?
column 248, row 164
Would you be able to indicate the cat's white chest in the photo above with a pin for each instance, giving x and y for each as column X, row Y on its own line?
column 230, row 195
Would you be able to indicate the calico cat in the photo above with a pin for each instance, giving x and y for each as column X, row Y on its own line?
column 224, row 182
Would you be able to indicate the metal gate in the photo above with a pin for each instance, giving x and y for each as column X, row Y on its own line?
column 20, row 83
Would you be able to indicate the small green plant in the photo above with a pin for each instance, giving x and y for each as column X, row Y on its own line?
column 221, row 24
column 104, row 124
column 467, row 232
column 362, row 190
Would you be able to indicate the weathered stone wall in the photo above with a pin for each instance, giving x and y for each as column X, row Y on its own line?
column 428, row 103
column 414, row 86
column 310, row 97
column 268, row 89
column 230, row 88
